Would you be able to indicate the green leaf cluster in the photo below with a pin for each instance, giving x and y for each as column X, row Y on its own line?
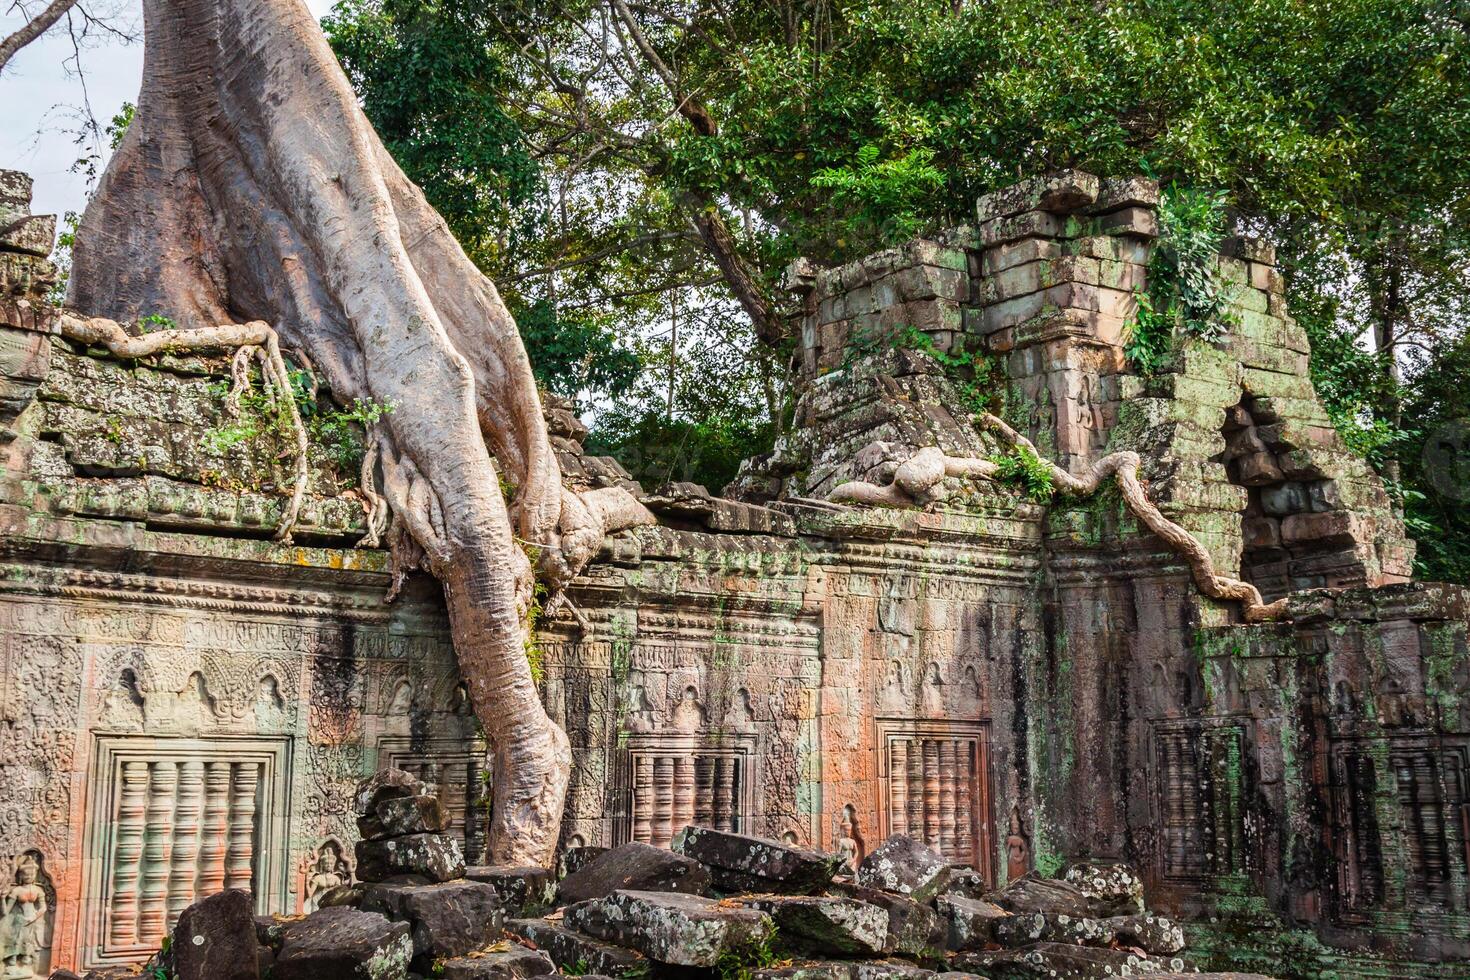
column 1184, row 291
column 1023, row 468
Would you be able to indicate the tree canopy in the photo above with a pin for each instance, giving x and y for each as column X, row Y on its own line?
column 624, row 132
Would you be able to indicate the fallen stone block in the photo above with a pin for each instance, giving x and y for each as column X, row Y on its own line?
column 824, row 925
column 1015, row 931
column 215, row 939
column 901, row 864
column 972, row 921
column 499, row 964
column 34, row 234
column 446, row 920
column 523, row 891
column 433, row 856
column 574, row 859
column 1030, row 893
column 344, row 944
column 386, row 784
column 575, row 951
column 341, row 895
column 739, row 863
column 400, row 815
column 1114, row 887
column 683, row 930
column 1058, row 961
column 1150, row 933
column 889, row 969
column 914, row 930
column 965, row 882
column 638, row 867
column 805, row 971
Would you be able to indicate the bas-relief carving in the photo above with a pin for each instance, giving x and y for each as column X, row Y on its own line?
column 27, row 911
column 327, row 867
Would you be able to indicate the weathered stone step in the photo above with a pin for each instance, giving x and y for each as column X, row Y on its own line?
column 574, row 950
column 824, row 925
column 684, row 930
column 638, row 867
column 740, row 863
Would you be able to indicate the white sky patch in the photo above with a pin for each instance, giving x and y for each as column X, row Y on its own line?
column 43, row 98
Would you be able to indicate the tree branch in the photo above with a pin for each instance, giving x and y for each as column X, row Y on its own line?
column 32, row 29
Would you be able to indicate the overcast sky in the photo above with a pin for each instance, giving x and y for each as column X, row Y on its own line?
column 42, row 96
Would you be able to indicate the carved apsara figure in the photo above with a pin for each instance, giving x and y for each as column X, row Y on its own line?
column 1018, row 851
column 23, row 911
column 849, row 843
column 331, row 870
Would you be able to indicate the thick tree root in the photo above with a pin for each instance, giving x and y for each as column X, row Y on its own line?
column 915, row 479
column 250, row 340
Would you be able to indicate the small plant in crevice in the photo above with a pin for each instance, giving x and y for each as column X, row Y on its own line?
column 154, row 322
column 335, row 431
column 1184, row 293
column 740, row 963
column 1023, row 468
column 970, row 372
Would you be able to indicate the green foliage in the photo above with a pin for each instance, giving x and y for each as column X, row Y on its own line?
column 434, row 90
column 740, row 963
column 893, row 195
column 657, row 450
column 1184, row 291
column 1023, row 468
column 535, row 656
column 576, row 352
column 334, row 431
column 154, row 322
column 970, row 372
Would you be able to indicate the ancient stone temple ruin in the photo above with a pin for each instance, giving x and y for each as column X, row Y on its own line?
column 186, row 705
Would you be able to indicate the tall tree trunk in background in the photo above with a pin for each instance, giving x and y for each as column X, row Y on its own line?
column 251, row 186
column 1386, row 288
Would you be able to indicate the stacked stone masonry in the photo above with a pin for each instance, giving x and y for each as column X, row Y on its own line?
column 1016, row 685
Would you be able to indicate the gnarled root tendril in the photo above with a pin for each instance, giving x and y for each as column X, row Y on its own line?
column 255, row 338
column 915, row 479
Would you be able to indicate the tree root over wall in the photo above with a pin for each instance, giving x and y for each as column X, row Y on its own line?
column 249, row 190
column 915, row 479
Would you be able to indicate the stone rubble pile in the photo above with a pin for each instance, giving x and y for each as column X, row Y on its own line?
column 718, row 904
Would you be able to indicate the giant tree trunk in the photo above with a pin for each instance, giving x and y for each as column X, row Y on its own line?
column 251, row 186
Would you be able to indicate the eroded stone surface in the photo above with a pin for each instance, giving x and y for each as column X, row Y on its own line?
column 344, row 944
column 742, row 863
column 572, row 950
column 635, row 866
column 820, row 924
column 215, row 939
column 433, row 856
column 901, row 864
column 506, row 964
column 683, row 930
column 447, row 920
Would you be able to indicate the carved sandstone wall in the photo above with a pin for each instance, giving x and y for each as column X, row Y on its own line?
column 186, row 703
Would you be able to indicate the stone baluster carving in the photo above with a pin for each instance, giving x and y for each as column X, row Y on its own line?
column 915, row 796
column 725, row 778
column 642, row 795
column 704, row 791
column 964, row 803
column 947, row 778
column 187, row 814
column 131, row 819
column 898, row 785
column 157, row 852
column 239, row 851
column 215, row 835
column 931, row 792
column 663, row 801
column 683, row 792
